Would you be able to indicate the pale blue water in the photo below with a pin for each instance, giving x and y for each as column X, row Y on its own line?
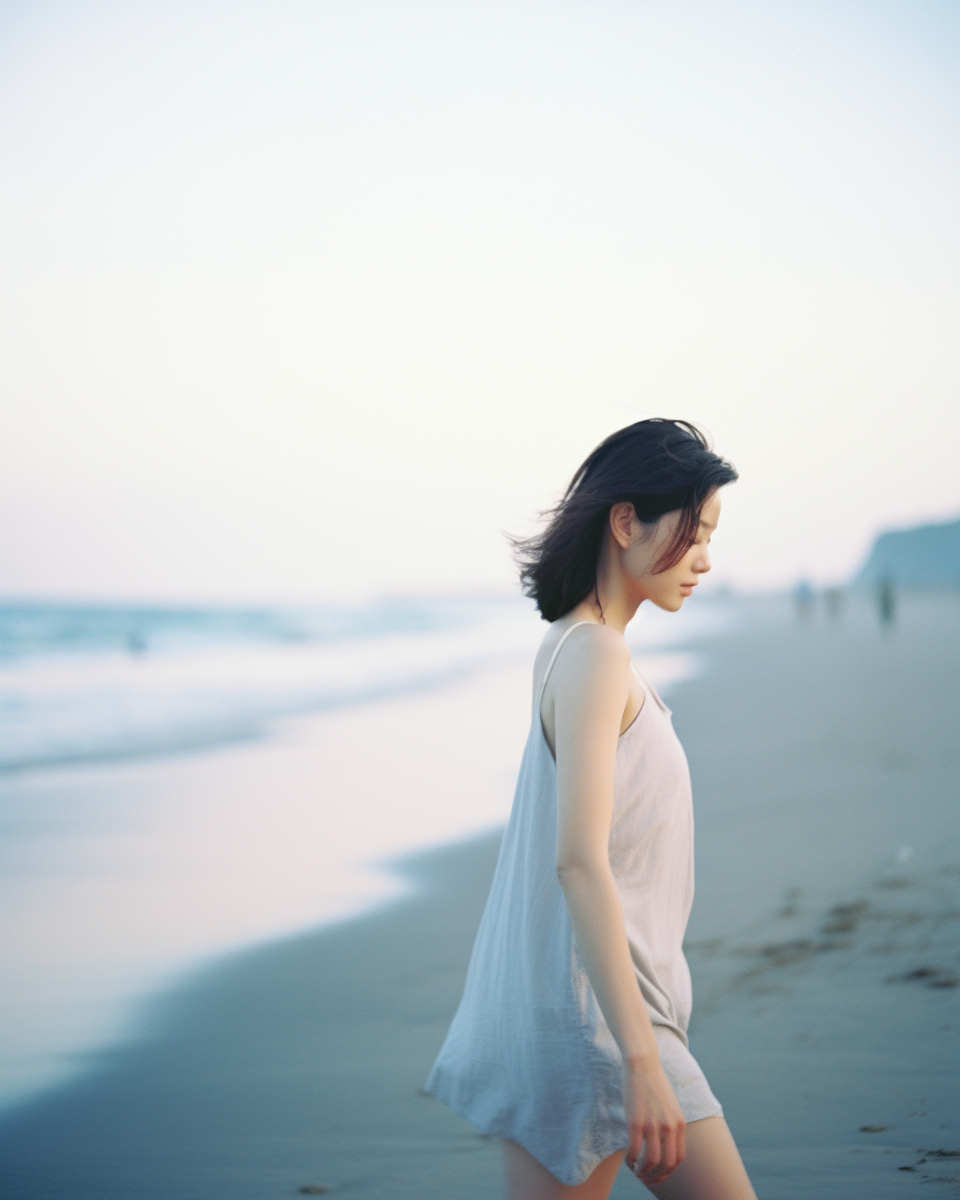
column 82, row 682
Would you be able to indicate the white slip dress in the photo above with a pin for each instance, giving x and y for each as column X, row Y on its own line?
column 529, row 1055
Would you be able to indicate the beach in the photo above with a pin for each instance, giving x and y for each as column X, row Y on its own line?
column 824, row 942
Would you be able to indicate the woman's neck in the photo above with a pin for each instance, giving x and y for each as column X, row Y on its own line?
column 607, row 607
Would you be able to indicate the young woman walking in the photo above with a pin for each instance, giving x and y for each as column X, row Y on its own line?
column 570, row 1041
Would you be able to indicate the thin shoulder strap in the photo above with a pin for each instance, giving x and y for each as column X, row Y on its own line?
column 553, row 656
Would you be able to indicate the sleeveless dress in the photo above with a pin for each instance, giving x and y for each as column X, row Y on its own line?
column 529, row 1055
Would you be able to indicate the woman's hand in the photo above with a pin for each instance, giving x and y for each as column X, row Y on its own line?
column 654, row 1122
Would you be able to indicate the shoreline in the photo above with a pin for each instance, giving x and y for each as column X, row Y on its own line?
column 296, row 1063
column 122, row 878
column 252, row 729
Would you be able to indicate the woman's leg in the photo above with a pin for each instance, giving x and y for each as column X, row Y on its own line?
column 712, row 1169
column 528, row 1179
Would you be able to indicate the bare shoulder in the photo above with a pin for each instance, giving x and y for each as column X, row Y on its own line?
column 590, row 683
column 598, row 644
column 591, row 654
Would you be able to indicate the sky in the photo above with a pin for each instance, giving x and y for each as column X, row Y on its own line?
column 316, row 300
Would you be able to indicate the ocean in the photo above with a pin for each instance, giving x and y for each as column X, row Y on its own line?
column 86, row 682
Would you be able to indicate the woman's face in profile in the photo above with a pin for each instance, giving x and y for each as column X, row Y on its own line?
column 668, row 589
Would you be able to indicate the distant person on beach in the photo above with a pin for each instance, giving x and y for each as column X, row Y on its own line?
column 833, row 600
column 136, row 642
column 803, row 599
column 570, row 1042
column 886, row 603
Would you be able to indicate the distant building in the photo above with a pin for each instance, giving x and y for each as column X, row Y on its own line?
column 928, row 556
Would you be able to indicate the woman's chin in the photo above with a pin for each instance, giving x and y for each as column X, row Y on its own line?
column 668, row 603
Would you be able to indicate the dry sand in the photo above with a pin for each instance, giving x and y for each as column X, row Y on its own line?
column 824, row 968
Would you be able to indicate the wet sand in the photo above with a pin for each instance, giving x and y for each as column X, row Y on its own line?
column 825, row 957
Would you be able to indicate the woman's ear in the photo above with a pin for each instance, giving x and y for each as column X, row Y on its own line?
column 622, row 517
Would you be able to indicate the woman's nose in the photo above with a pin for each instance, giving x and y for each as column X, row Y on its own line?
column 703, row 563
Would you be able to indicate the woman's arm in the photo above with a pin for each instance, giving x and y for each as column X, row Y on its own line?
column 590, row 689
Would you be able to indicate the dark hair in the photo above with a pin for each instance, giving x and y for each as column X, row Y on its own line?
column 660, row 466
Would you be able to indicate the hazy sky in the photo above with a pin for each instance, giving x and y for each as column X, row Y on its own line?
column 310, row 299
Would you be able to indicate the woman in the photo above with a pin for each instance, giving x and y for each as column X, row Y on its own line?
column 570, row 1040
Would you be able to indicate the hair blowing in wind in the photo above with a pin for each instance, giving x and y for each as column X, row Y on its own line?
column 658, row 465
